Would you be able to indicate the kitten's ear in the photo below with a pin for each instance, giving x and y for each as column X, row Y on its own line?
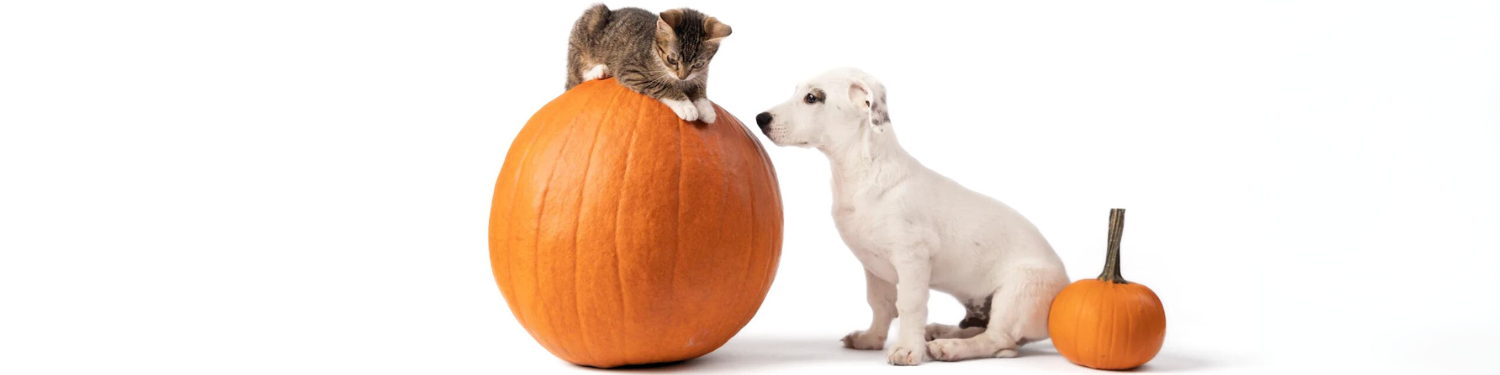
column 663, row 30
column 669, row 19
column 871, row 99
column 716, row 30
column 665, row 22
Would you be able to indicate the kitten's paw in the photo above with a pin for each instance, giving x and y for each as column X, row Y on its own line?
column 684, row 109
column 598, row 72
column 705, row 110
column 861, row 340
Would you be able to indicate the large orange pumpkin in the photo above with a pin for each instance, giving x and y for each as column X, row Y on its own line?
column 1108, row 323
column 622, row 235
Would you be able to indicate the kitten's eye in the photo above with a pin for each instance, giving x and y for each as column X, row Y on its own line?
column 698, row 65
column 810, row 98
column 671, row 61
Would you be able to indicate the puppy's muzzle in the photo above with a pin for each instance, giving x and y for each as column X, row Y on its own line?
column 764, row 120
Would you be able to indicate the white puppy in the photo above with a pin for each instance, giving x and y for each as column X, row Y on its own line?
column 914, row 229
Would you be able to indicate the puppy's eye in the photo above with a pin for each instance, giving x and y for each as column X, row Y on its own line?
column 810, row 98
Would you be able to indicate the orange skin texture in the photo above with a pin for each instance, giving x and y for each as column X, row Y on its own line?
column 621, row 235
column 1108, row 326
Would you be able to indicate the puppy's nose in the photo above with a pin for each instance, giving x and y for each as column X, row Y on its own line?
column 764, row 120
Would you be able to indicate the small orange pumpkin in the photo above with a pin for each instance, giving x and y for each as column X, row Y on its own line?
column 1108, row 323
column 622, row 235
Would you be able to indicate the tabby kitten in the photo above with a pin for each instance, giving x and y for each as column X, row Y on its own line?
column 661, row 56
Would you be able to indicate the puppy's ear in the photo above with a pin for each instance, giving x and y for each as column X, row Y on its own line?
column 871, row 99
column 715, row 30
column 859, row 95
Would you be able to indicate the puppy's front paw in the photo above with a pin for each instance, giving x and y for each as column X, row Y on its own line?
column 705, row 110
column 684, row 109
column 904, row 354
column 862, row 340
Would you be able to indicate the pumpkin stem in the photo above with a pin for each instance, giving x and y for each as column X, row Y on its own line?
column 1112, row 258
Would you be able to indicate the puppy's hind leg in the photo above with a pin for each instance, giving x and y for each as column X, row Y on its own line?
column 882, row 297
column 943, row 331
column 974, row 323
column 1018, row 315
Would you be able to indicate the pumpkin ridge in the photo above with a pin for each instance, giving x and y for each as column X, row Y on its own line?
column 766, row 166
column 750, row 243
column 1078, row 318
column 619, row 272
column 767, row 272
column 510, row 219
column 677, row 243
column 1130, row 326
column 750, row 257
column 724, row 167
column 1114, row 309
column 530, row 313
column 773, row 233
column 536, row 248
column 578, row 215
column 1099, row 330
column 510, row 275
column 777, row 232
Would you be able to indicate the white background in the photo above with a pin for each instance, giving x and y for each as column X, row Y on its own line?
column 304, row 186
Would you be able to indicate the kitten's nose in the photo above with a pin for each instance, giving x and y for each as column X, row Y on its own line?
column 764, row 120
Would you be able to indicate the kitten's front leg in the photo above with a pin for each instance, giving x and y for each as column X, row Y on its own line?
column 683, row 108
column 667, row 92
column 699, row 95
column 705, row 110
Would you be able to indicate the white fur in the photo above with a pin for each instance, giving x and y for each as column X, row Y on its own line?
column 706, row 111
column 915, row 230
column 597, row 72
column 683, row 108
